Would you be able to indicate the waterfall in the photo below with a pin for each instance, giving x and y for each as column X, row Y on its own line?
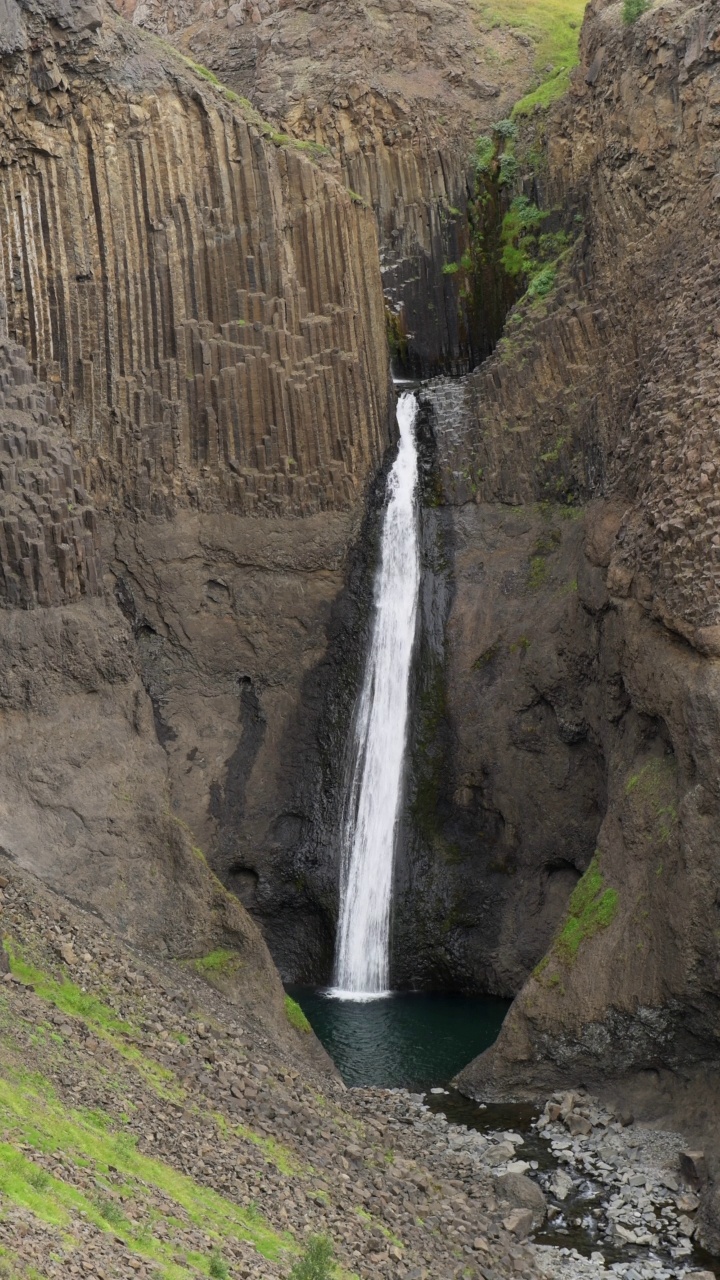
column 373, row 800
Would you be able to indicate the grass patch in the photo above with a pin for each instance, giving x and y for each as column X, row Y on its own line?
column 274, row 1152
column 104, row 1021
column 32, row 1116
column 634, row 9
column 592, row 908
column 219, row 963
column 554, row 28
column 295, row 1016
column 66, row 995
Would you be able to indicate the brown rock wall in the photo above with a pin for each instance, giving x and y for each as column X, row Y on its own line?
column 398, row 92
column 610, row 385
column 49, row 548
column 205, row 304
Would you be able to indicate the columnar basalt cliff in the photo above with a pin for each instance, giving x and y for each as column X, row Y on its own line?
column 49, row 551
column 84, row 781
column 201, row 402
column 203, row 305
column 399, row 92
column 204, row 302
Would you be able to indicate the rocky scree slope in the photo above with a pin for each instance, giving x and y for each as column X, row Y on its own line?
column 399, row 93
column 579, row 466
column 150, row 1128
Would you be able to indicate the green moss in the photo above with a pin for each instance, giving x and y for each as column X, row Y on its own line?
column 450, row 268
column 651, row 788
column 486, row 657
column 538, row 572
column 219, row 963
column 295, row 1016
column 527, row 252
column 592, row 908
column 396, row 335
column 521, row 645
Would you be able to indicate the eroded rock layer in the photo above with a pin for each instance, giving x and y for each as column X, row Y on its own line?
column 205, row 303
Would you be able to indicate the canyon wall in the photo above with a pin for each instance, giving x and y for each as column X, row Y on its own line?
column 399, row 92
column 185, row 456
column 581, row 693
column 86, row 797
column 202, row 300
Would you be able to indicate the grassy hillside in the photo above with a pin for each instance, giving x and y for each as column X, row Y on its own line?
column 554, row 27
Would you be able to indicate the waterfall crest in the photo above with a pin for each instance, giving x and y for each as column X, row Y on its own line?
column 373, row 801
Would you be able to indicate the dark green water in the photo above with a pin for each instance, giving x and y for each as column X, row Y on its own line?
column 408, row 1040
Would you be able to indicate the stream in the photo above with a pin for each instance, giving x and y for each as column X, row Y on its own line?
column 418, row 1041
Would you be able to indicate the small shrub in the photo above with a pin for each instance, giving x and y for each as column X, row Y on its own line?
column 316, row 1264
column 505, row 129
column 508, row 170
column 633, row 9
column 484, row 154
column 542, row 283
column 111, row 1212
column 218, row 1268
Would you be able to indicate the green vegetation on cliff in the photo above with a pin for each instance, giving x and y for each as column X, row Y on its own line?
column 634, row 9
column 592, row 907
column 295, row 1016
column 554, row 28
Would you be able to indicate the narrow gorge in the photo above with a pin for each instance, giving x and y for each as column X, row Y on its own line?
column 360, row 631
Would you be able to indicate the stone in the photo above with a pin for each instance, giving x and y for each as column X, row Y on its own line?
column 499, row 1154
column 519, row 1223
column 561, row 1184
column 578, row 1125
column 522, row 1193
column 693, row 1167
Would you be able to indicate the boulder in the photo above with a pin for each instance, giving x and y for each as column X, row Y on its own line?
column 522, row 1193
column 519, row 1223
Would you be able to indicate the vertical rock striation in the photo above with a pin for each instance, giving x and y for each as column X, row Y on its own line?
column 399, row 92
column 49, row 548
column 203, row 301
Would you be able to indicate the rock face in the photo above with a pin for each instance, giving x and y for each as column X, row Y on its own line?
column 202, row 313
column 399, row 92
column 204, row 307
column 205, row 303
column 582, row 686
column 49, row 551
column 84, row 780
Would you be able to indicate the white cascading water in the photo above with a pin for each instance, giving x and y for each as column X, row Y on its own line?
column 373, row 803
